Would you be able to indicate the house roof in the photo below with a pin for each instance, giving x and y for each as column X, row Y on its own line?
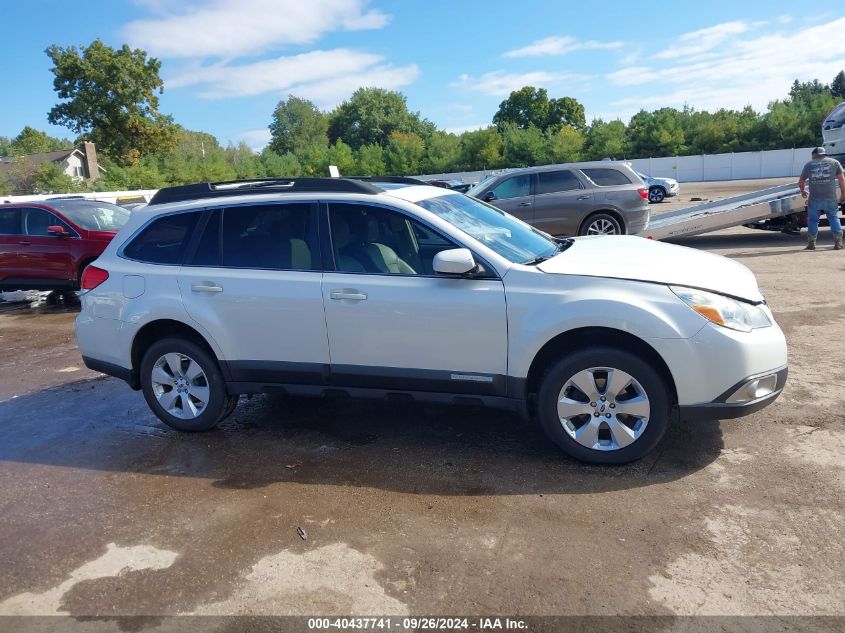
column 33, row 160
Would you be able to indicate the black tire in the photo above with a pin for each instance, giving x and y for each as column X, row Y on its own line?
column 656, row 194
column 601, row 219
column 220, row 404
column 648, row 378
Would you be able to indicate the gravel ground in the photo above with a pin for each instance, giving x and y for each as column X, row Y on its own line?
column 420, row 509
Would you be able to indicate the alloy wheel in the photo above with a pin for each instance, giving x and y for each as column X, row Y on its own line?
column 602, row 226
column 603, row 408
column 180, row 386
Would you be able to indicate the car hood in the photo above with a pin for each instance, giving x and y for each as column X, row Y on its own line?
column 639, row 259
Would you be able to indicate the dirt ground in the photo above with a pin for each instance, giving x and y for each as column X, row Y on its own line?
column 420, row 509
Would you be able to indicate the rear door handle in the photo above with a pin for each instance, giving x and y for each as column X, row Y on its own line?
column 206, row 286
column 525, row 204
column 25, row 242
column 583, row 197
column 348, row 295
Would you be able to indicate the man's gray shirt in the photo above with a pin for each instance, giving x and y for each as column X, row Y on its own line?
column 822, row 174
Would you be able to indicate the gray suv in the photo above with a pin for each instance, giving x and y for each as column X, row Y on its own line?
column 596, row 198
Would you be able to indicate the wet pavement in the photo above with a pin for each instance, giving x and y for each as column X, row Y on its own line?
column 298, row 506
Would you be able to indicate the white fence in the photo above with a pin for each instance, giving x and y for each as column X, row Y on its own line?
column 776, row 163
column 136, row 195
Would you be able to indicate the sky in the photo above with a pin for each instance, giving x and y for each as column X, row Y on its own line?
column 227, row 63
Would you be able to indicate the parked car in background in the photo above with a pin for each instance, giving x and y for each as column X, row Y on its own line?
column 46, row 245
column 660, row 188
column 595, row 198
column 403, row 291
column 463, row 187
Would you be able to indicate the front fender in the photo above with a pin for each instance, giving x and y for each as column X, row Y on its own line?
column 552, row 304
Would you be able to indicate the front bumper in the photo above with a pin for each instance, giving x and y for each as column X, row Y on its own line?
column 722, row 409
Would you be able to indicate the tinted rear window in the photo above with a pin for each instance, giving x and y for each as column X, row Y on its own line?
column 9, row 222
column 604, row 177
column 163, row 241
column 276, row 237
column 552, row 181
column 208, row 247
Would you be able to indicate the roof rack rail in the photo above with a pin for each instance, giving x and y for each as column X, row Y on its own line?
column 402, row 180
column 261, row 185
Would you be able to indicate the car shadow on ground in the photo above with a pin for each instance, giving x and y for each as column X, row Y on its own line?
column 101, row 424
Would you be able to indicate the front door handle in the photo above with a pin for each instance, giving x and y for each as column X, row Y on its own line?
column 348, row 294
column 25, row 242
column 206, row 286
column 583, row 197
column 525, row 204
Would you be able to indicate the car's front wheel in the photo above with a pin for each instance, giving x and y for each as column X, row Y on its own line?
column 656, row 194
column 183, row 386
column 604, row 406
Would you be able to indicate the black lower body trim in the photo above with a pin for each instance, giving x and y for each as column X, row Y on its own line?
column 720, row 409
column 514, row 405
column 129, row 375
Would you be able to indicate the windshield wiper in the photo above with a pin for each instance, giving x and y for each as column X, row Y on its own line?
column 562, row 244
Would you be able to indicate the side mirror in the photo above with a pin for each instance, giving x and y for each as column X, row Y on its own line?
column 57, row 230
column 455, row 261
column 490, row 195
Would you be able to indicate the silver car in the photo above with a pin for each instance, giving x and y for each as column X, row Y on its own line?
column 595, row 198
column 660, row 188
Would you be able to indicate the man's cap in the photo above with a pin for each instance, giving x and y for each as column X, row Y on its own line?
column 820, row 151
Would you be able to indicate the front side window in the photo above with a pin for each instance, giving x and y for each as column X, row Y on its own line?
column 370, row 239
column 36, row 221
column 499, row 231
column 514, row 187
column 10, row 223
column 164, row 240
column 275, row 237
column 605, row 177
column 554, row 181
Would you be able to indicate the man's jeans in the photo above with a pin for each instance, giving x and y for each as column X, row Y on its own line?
column 814, row 213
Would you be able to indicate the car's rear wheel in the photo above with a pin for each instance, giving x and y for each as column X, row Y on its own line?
column 604, row 406
column 601, row 224
column 656, row 194
column 183, row 386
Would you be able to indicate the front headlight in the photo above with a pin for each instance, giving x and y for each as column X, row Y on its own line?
column 722, row 310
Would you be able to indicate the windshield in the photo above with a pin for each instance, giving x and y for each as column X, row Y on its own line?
column 835, row 119
column 100, row 216
column 500, row 232
column 480, row 185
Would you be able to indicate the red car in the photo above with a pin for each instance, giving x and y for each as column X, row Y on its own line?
column 46, row 245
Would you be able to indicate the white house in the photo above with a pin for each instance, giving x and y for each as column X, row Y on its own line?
column 79, row 163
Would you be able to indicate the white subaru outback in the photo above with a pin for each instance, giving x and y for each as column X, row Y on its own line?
column 389, row 288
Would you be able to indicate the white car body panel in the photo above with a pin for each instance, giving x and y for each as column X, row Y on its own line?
column 639, row 259
column 418, row 322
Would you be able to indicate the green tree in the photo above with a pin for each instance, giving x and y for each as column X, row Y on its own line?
column 442, row 152
column 371, row 161
column 32, row 141
column 110, row 96
column 280, row 165
column 524, row 147
column 481, row 149
column 837, row 86
column 143, row 174
column 404, row 154
column 605, row 139
column 657, row 133
column 244, row 161
column 314, row 160
column 371, row 115
column 297, row 124
column 5, row 146
column 565, row 144
column 341, row 155
column 530, row 106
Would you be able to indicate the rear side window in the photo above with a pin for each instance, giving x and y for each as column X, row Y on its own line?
column 164, row 240
column 208, row 247
column 604, row 177
column 275, row 237
column 10, row 223
column 514, row 187
column 554, row 181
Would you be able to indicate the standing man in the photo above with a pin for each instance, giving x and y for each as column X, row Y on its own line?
column 823, row 173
